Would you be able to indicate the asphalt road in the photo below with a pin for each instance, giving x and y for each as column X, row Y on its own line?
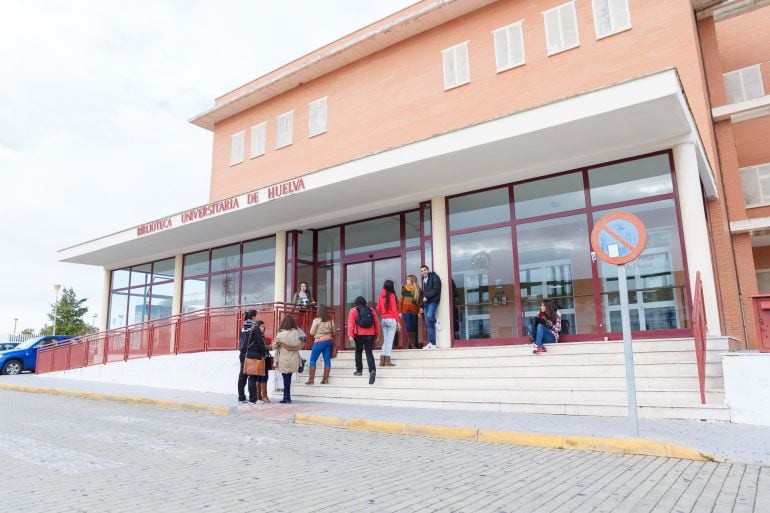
column 62, row 454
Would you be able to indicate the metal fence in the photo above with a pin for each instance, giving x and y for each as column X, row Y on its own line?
column 214, row 329
column 20, row 338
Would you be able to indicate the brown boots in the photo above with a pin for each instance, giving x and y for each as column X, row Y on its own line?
column 324, row 380
column 412, row 341
column 262, row 387
column 311, row 379
column 385, row 362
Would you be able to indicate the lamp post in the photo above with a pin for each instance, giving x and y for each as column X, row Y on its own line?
column 56, row 287
column 93, row 323
column 14, row 326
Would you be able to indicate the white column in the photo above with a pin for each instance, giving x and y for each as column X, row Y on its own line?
column 441, row 267
column 176, row 295
column 695, row 230
column 280, row 266
column 104, row 322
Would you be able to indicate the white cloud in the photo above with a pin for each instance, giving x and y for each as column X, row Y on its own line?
column 94, row 135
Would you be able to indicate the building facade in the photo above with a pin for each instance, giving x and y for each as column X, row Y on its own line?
column 483, row 138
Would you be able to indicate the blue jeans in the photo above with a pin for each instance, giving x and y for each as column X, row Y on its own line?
column 542, row 336
column 429, row 310
column 323, row 347
column 410, row 322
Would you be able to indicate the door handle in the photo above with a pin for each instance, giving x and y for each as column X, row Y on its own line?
column 593, row 256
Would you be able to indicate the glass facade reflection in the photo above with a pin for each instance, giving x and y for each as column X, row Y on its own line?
column 548, row 246
column 141, row 293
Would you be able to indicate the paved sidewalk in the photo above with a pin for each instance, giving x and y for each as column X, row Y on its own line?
column 687, row 439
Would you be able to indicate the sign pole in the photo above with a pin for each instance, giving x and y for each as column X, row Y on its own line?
column 618, row 238
column 628, row 348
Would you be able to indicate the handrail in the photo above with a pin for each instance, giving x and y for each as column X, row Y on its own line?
column 212, row 329
column 699, row 334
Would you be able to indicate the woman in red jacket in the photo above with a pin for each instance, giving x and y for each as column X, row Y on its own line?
column 387, row 305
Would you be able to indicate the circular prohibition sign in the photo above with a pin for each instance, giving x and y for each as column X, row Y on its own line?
column 618, row 238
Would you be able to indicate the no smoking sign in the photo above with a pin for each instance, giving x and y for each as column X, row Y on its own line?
column 618, row 238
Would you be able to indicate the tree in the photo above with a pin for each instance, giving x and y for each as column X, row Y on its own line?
column 68, row 314
column 27, row 331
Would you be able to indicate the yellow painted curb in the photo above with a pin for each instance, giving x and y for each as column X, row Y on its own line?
column 452, row 433
column 511, row 437
column 95, row 396
column 318, row 420
column 638, row 446
column 377, row 426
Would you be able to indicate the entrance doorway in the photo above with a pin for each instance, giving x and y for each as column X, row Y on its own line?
column 365, row 279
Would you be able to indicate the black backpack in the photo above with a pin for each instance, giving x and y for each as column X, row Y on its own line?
column 365, row 318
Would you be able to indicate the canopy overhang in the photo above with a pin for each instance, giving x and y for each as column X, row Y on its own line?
column 630, row 118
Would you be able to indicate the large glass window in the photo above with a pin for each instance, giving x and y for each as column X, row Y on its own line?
column 629, row 180
column 478, row 209
column 329, row 244
column 241, row 274
column 373, row 235
column 549, row 196
column 482, row 285
column 656, row 279
column 141, row 293
column 555, row 263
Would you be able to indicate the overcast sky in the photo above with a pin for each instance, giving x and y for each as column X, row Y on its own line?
column 94, row 102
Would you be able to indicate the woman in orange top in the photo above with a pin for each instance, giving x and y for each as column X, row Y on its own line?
column 409, row 306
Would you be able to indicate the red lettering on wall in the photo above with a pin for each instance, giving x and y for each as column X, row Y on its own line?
column 154, row 226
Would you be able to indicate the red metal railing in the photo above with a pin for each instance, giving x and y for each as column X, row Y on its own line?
column 215, row 329
column 699, row 334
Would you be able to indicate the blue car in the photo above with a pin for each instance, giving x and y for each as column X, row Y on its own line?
column 24, row 356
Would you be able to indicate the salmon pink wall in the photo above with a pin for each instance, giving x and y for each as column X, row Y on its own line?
column 744, row 41
column 396, row 96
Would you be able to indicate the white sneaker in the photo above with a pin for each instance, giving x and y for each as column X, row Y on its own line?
column 429, row 346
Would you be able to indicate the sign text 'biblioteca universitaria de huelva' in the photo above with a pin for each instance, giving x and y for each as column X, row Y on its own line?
column 219, row 207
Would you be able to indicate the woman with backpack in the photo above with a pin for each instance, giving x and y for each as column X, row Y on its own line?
column 323, row 330
column 251, row 344
column 363, row 330
column 387, row 305
column 287, row 345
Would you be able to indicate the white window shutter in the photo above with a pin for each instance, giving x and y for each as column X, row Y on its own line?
column 317, row 117
column 236, row 148
column 602, row 17
column 284, row 128
column 621, row 17
column 752, row 83
column 450, row 69
column 516, row 43
column 502, row 57
column 455, row 60
column 552, row 31
column 733, row 87
column 763, row 173
column 750, row 182
column 258, row 133
column 569, row 25
column 463, row 73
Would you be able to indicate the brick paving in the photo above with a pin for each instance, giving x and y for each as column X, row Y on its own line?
column 72, row 455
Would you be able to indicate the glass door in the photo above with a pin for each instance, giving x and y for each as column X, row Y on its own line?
column 365, row 279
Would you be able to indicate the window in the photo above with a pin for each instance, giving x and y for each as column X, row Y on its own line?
column 756, row 184
column 141, row 293
column 317, row 121
column 236, row 148
column 283, row 129
column 744, row 84
column 561, row 32
column 258, row 139
column 610, row 17
column 509, row 46
column 456, row 71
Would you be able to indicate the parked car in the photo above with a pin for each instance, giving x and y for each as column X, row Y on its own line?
column 23, row 357
column 4, row 346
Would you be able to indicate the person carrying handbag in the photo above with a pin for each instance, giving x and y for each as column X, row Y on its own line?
column 251, row 344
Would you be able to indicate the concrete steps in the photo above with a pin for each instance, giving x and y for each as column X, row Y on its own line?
column 571, row 379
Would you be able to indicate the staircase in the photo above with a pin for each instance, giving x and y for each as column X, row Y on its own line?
column 579, row 378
